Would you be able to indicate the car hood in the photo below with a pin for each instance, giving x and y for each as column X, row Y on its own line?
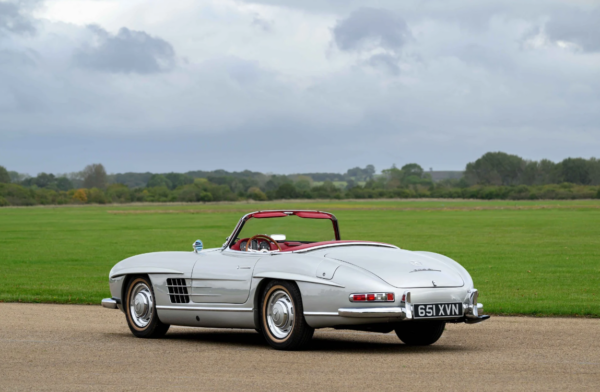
column 399, row 268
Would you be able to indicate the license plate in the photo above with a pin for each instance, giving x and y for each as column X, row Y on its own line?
column 438, row 310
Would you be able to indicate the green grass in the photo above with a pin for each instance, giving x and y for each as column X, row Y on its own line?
column 539, row 257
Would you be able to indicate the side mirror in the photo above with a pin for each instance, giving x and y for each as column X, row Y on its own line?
column 197, row 245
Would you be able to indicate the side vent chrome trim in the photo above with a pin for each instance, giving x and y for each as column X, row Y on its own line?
column 178, row 291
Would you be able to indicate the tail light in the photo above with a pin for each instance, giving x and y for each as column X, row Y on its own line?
column 372, row 297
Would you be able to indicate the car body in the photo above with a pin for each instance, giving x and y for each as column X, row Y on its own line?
column 361, row 285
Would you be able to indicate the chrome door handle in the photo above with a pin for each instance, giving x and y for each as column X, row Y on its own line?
column 238, row 267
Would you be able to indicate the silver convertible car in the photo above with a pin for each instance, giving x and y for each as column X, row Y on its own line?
column 286, row 273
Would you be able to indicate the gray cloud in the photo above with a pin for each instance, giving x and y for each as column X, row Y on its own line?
column 368, row 28
column 385, row 62
column 14, row 17
column 261, row 23
column 128, row 52
column 465, row 84
column 12, row 58
column 581, row 27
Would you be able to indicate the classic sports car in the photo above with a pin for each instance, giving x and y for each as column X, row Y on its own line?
column 287, row 284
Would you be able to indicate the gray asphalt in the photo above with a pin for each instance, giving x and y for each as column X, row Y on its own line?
column 71, row 347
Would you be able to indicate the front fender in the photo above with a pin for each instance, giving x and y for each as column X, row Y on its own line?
column 159, row 263
column 143, row 270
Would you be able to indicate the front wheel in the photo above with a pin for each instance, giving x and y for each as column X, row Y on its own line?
column 420, row 333
column 140, row 310
column 282, row 317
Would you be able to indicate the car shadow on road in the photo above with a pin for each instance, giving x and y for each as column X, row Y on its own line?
column 362, row 345
column 324, row 344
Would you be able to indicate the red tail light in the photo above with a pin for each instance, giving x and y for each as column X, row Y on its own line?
column 373, row 297
column 358, row 297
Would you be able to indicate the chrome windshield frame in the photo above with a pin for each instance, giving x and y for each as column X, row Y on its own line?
column 238, row 228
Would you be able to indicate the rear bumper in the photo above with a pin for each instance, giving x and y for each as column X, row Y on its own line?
column 471, row 311
column 373, row 312
column 110, row 303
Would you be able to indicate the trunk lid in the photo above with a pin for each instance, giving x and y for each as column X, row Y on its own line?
column 399, row 268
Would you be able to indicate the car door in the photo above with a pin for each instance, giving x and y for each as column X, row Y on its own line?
column 223, row 277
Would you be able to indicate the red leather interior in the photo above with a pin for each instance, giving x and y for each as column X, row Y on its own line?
column 290, row 243
column 314, row 244
column 289, row 246
column 272, row 214
column 312, row 215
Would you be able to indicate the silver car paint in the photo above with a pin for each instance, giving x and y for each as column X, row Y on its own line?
column 400, row 268
column 346, row 270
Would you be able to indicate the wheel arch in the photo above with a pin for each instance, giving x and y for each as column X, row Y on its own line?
column 258, row 297
column 128, row 278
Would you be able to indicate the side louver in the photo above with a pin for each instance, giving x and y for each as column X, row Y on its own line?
column 178, row 291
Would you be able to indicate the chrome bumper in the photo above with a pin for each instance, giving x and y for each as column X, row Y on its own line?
column 110, row 303
column 372, row 312
column 471, row 310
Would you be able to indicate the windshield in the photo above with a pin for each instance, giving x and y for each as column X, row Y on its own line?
column 294, row 228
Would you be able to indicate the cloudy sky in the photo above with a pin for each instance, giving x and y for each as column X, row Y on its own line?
column 296, row 85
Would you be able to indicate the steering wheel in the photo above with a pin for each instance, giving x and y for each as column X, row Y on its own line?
column 264, row 237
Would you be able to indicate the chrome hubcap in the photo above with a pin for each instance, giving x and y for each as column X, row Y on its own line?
column 280, row 314
column 141, row 305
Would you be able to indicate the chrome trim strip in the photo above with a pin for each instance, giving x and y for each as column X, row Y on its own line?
column 373, row 312
column 344, row 244
column 204, row 308
column 205, row 295
column 243, row 219
column 110, row 303
column 321, row 314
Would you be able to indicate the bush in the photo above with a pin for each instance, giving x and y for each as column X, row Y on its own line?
column 96, row 195
column 187, row 195
column 80, row 196
column 255, row 193
column 202, row 190
column 205, row 197
column 286, row 191
column 118, row 193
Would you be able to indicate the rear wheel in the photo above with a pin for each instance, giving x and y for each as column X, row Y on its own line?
column 282, row 317
column 420, row 333
column 140, row 310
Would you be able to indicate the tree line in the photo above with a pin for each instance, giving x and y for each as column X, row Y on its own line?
column 495, row 175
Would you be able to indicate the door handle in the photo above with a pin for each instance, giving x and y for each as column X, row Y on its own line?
column 238, row 267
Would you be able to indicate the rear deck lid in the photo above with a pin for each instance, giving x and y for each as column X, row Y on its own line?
column 400, row 268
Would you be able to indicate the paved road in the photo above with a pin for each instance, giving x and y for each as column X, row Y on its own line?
column 69, row 347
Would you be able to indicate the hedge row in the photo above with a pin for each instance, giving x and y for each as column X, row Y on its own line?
column 205, row 191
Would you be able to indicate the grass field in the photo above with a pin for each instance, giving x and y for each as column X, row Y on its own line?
column 539, row 257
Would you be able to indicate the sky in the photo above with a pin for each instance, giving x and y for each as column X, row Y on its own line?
column 295, row 86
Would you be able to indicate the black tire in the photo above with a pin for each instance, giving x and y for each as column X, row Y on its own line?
column 281, row 331
column 420, row 333
column 147, row 325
